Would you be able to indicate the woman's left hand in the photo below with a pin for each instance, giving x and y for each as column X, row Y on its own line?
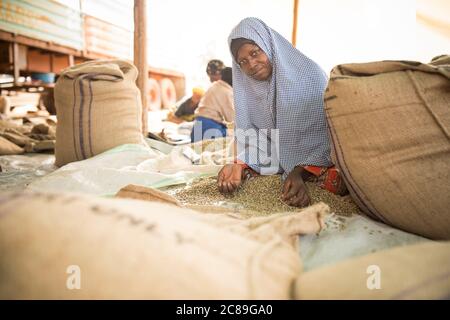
column 294, row 189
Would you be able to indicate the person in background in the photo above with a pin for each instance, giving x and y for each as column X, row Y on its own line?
column 187, row 109
column 215, row 109
column 214, row 69
column 185, row 112
column 278, row 94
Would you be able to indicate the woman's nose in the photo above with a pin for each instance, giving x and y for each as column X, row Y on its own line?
column 252, row 63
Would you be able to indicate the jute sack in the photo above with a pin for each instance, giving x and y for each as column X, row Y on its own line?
column 413, row 272
column 8, row 148
column 390, row 127
column 98, row 107
column 51, row 244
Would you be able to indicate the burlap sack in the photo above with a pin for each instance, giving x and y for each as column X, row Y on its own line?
column 390, row 126
column 131, row 249
column 17, row 138
column 98, row 107
column 9, row 148
column 44, row 128
column 5, row 106
column 132, row 191
column 413, row 272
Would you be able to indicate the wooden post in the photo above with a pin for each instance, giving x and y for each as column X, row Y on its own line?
column 140, row 56
column 71, row 60
column 15, row 54
column 51, row 62
column 294, row 24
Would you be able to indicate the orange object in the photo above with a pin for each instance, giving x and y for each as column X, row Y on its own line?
column 198, row 91
column 329, row 179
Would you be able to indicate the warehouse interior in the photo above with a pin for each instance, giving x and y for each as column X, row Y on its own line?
column 128, row 171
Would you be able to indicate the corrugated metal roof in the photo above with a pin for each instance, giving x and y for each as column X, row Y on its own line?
column 44, row 20
column 117, row 12
column 105, row 38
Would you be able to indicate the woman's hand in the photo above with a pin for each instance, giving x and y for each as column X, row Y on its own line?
column 294, row 189
column 230, row 178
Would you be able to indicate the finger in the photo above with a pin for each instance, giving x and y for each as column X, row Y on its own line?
column 229, row 187
column 303, row 200
column 299, row 198
column 293, row 191
column 288, row 202
column 225, row 187
column 286, row 187
column 219, row 180
column 221, row 187
column 291, row 201
column 297, row 201
column 306, row 200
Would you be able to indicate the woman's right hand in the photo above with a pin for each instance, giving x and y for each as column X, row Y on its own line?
column 230, row 178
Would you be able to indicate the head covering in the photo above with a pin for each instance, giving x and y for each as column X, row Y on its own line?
column 236, row 44
column 291, row 100
column 214, row 66
column 227, row 75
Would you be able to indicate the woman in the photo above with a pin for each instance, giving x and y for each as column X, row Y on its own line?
column 278, row 94
column 215, row 109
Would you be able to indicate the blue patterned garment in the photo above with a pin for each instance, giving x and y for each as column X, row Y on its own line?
column 290, row 101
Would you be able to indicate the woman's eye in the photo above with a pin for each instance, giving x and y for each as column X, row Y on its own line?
column 255, row 53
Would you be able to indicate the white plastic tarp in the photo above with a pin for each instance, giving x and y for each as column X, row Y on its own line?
column 107, row 173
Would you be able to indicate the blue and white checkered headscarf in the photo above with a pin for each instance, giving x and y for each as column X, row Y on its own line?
column 290, row 101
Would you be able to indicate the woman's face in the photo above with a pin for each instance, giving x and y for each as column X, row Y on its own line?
column 254, row 62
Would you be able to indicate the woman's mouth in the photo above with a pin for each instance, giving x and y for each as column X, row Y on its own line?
column 257, row 72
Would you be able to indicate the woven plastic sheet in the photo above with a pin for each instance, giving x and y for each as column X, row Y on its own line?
column 20, row 170
column 107, row 173
column 348, row 237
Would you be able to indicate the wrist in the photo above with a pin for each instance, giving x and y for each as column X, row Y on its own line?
column 241, row 163
column 298, row 169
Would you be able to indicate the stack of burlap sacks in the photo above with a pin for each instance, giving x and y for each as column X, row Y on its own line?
column 389, row 124
column 19, row 139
